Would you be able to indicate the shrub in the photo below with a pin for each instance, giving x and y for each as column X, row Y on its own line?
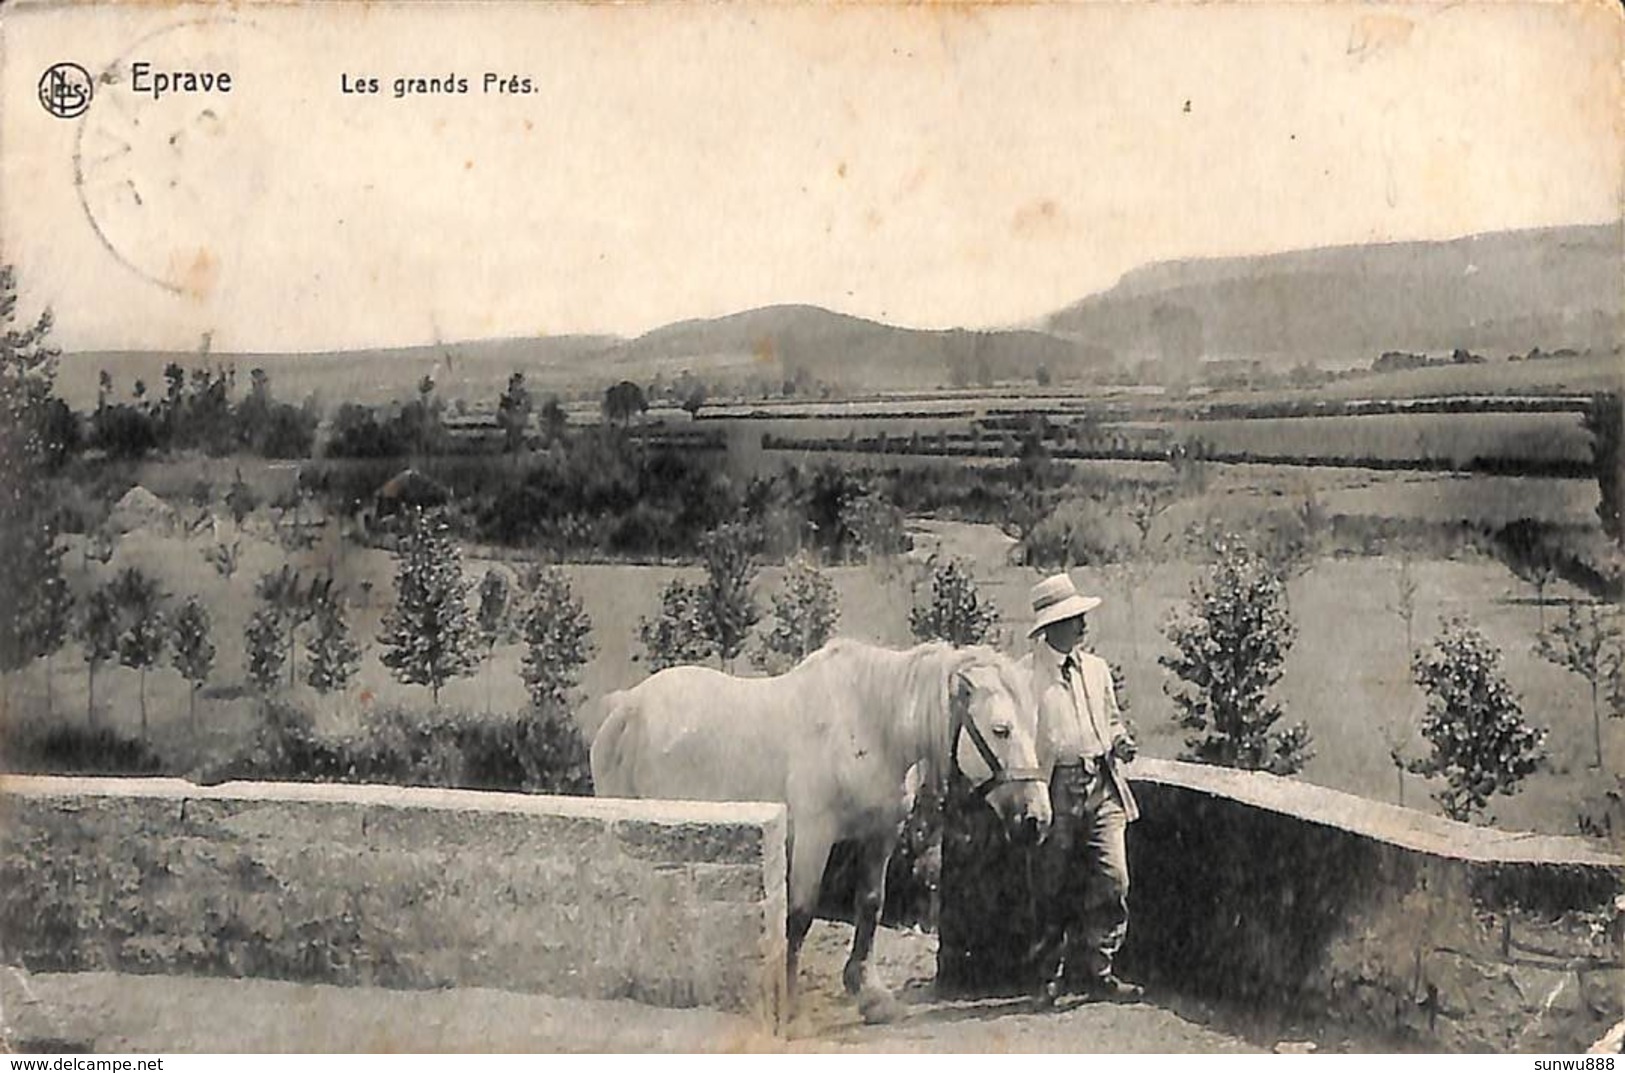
column 876, row 526
column 1605, row 421
column 76, row 750
column 1079, row 532
column 537, row 751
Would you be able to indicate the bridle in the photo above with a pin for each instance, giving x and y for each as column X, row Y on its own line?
column 960, row 723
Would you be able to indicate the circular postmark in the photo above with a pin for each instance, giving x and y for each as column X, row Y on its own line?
column 65, row 90
column 168, row 173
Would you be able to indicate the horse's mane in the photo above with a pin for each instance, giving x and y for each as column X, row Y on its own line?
column 922, row 677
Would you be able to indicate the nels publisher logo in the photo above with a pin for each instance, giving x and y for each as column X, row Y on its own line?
column 65, row 90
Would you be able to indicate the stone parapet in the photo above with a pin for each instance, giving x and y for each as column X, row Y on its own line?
column 669, row 903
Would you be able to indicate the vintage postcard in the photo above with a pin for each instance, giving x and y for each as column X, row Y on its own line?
column 834, row 527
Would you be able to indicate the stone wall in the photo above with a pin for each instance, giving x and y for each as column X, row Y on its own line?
column 1275, row 894
column 674, row 904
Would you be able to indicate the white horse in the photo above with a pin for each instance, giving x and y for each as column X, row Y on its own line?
column 833, row 739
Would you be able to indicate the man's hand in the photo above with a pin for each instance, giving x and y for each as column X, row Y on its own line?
column 1124, row 749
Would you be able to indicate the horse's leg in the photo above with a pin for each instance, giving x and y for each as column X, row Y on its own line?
column 875, row 1003
column 809, row 853
column 798, row 922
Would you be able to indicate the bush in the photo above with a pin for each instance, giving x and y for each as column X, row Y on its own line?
column 876, row 526
column 535, row 751
column 1605, row 421
column 76, row 750
column 1079, row 532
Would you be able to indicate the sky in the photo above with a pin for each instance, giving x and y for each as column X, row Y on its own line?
column 926, row 165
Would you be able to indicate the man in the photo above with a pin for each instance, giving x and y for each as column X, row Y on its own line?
column 1082, row 743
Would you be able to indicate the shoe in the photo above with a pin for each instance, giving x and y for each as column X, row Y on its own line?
column 1109, row 988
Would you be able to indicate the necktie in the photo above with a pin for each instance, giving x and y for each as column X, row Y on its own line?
column 1071, row 669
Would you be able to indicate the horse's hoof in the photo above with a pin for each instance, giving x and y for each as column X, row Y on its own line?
column 1048, row 995
column 879, row 1008
column 852, row 977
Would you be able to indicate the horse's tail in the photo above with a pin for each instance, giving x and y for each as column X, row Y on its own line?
column 611, row 767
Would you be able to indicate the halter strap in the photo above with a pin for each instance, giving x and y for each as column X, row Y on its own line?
column 1000, row 774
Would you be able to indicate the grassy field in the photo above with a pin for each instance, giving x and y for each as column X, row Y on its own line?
column 1347, row 676
column 1453, row 438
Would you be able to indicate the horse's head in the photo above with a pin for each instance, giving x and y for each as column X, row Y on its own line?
column 993, row 735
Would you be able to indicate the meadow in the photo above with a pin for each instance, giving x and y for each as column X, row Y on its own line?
column 1347, row 675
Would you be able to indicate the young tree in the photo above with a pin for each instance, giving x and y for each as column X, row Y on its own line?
column 513, row 413
column 240, row 498
column 142, row 632
column 1481, row 744
column 1404, row 604
column 224, row 557
column 1399, row 728
column 430, row 635
column 623, row 401
column 693, row 396
column 427, row 415
column 558, row 640
column 956, row 612
column 553, row 420
column 1590, row 645
column 265, row 649
column 681, row 633
column 729, row 553
column 30, row 568
column 805, row 612
column 334, row 653
column 1230, row 643
column 191, row 652
column 495, row 619
column 97, row 630
column 293, row 603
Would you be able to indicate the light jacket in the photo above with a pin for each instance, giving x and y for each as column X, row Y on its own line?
column 1060, row 707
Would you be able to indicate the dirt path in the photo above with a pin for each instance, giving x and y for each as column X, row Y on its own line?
column 110, row 1012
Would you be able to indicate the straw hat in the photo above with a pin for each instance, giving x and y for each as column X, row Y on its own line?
column 1056, row 598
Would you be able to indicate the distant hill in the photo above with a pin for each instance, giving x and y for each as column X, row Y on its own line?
column 1495, row 294
column 782, row 342
column 767, row 346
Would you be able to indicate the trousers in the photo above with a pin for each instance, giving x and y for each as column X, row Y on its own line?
column 1084, row 878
